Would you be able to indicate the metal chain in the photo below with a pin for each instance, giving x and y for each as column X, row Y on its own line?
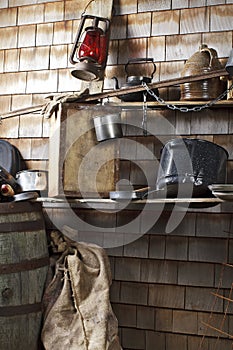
column 186, row 109
column 144, row 118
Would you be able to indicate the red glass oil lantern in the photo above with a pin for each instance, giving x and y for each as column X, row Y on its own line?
column 91, row 51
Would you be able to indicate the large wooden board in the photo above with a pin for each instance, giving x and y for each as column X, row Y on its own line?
column 80, row 166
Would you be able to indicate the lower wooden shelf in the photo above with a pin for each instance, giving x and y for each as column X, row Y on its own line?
column 214, row 205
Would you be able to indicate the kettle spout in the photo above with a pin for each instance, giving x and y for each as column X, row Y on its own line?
column 116, row 86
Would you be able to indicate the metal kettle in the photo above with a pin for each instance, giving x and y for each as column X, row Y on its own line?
column 134, row 80
column 203, row 61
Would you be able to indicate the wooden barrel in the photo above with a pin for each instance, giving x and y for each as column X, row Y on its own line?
column 24, row 262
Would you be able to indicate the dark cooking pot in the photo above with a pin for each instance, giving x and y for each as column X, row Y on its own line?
column 135, row 80
column 191, row 164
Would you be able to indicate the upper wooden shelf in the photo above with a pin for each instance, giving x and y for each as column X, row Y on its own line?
column 123, row 105
column 219, row 104
column 131, row 89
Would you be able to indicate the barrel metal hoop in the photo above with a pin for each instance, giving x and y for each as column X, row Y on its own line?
column 20, row 207
column 24, row 265
column 23, row 226
column 7, row 311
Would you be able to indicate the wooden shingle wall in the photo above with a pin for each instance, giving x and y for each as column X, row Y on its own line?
column 36, row 38
column 162, row 283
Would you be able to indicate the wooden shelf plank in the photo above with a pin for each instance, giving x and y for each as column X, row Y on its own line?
column 211, row 205
column 129, row 105
column 143, row 201
column 153, row 201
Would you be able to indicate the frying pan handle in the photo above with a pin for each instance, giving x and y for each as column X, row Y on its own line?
column 142, row 189
column 152, row 191
column 140, row 60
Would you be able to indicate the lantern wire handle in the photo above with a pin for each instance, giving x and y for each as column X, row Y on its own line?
column 86, row 7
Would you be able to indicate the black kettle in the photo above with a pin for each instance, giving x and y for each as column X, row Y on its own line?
column 135, row 80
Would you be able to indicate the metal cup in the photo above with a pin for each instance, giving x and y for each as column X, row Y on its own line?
column 108, row 126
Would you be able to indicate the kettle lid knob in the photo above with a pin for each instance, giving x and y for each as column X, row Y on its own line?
column 203, row 46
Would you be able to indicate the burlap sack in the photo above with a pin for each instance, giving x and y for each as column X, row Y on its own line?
column 78, row 313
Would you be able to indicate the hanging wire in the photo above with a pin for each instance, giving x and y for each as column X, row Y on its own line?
column 219, row 330
column 84, row 11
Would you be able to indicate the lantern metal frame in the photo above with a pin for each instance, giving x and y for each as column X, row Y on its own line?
column 86, row 68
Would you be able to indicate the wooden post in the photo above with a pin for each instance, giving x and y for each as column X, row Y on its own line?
column 76, row 156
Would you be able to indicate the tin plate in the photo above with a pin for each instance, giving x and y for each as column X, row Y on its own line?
column 221, row 187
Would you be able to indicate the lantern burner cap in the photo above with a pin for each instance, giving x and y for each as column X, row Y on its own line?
column 87, row 71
